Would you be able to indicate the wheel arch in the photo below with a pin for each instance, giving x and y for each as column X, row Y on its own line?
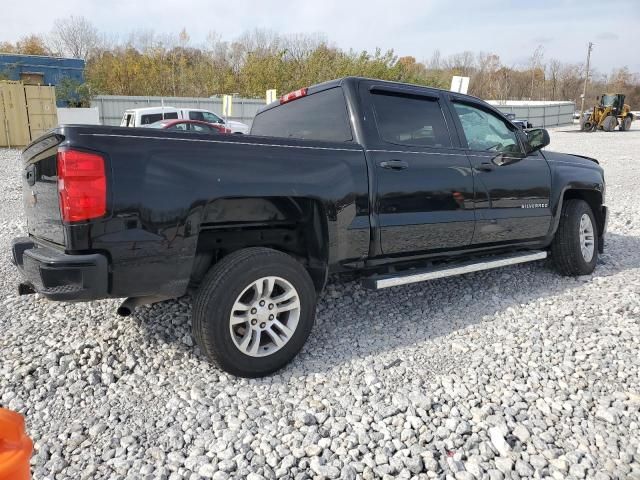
column 593, row 198
column 296, row 226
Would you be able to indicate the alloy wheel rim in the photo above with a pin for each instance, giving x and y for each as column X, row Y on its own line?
column 265, row 316
column 587, row 238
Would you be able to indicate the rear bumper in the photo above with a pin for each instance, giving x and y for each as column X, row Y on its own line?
column 59, row 276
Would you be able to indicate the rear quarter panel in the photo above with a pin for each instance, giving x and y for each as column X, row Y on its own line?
column 165, row 187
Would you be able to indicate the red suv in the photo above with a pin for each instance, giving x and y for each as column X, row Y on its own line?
column 193, row 126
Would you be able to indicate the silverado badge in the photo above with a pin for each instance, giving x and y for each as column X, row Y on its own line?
column 534, row 205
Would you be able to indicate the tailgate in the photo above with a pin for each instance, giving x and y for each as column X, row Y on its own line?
column 40, row 189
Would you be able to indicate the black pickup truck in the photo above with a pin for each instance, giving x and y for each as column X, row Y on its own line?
column 393, row 182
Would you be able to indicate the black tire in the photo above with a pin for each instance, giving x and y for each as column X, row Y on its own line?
column 566, row 248
column 217, row 294
column 625, row 124
column 609, row 123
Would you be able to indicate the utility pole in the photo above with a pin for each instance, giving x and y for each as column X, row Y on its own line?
column 586, row 80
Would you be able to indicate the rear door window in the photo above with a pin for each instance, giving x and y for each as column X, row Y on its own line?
column 320, row 116
column 150, row 118
column 200, row 128
column 179, row 126
column 406, row 119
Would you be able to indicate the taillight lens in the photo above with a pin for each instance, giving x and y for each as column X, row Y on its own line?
column 82, row 185
column 293, row 95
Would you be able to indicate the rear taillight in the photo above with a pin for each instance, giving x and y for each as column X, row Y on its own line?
column 293, row 95
column 82, row 185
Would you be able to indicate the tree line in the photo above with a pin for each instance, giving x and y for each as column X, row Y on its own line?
column 146, row 63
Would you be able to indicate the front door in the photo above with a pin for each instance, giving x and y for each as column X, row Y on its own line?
column 511, row 189
column 424, row 185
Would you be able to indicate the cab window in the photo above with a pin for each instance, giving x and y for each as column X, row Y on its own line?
column 318, row 116
column 486, row 131
column 410, row 120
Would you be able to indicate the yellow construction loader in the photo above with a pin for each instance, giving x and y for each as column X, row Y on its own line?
column 610, row 113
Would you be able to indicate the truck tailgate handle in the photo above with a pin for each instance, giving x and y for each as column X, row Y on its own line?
column 394, row 164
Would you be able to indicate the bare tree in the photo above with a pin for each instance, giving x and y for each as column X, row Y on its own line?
column 554, row 74
column 435, row 60
column 74, row 36
column 571, row 77
column 462, row 63
column 535, row 62
column 299, row 46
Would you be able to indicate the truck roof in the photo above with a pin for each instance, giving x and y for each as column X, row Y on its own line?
column 318, row 87
column 151, row 109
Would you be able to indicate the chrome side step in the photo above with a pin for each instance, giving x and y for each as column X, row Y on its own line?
column 414, row 276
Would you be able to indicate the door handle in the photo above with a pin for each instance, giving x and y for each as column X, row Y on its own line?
column 485, row 167
column 394, row 164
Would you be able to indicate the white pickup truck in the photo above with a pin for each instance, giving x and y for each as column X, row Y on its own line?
column 139, row 117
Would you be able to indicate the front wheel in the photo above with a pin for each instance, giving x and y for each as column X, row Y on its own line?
column 254, row 311
column 575, row 245
column 609, row 123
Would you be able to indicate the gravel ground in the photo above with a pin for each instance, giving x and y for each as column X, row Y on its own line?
column 512, row 373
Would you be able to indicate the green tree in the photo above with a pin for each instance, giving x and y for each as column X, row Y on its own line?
column 73, row 93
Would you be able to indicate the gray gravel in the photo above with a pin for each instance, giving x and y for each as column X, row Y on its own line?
column 512, row 373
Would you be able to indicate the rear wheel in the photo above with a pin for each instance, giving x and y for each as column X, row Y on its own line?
column 625, row 124
column 254, row 311
column 609, row 123
column 575, row 246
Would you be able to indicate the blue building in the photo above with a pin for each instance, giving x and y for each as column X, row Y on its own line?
column 40, row 70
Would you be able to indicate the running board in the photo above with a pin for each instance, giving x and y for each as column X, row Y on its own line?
column 413, row 276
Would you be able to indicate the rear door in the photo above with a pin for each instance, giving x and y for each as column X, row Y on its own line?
column 511, row 188
column 423, row 182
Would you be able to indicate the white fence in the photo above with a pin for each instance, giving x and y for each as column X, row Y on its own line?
column 82, row 116
column 540, row 113
column 111, row 107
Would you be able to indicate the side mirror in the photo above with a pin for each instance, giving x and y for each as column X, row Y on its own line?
column 537, row 138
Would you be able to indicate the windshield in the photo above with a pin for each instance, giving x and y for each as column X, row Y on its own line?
column 608, row 100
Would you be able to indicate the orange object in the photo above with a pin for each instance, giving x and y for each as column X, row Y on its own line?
column 15, row 447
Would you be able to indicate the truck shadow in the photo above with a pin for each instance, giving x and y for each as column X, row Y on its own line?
column 354, row 323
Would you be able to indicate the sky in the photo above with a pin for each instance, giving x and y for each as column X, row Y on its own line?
column 510, row 29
